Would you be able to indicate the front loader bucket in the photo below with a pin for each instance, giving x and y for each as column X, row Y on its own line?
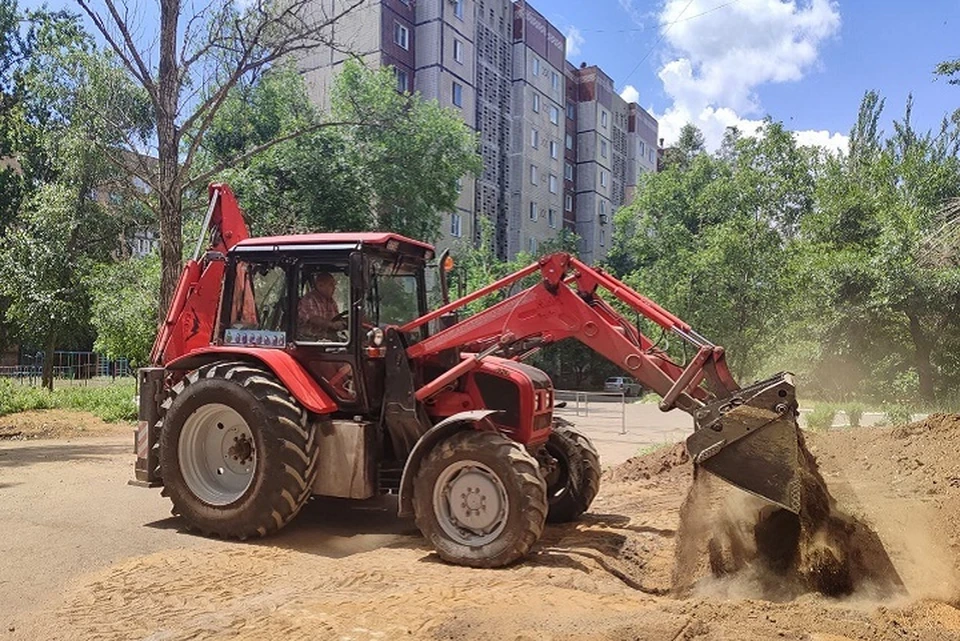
column 751, row 440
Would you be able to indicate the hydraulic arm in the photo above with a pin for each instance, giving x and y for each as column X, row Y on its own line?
column 745, row 435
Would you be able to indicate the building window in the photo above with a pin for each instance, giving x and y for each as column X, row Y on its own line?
column 554, row 114
column 533, row 174
column 554, row 80
column 553, row 184
column 536, row 66
column 534, row 138
column 554, row 149
column 603, row 209
column 653, row 154
column 569, row 142
column 642, row 149
column 536, row 102
column 458, row 94
column 458, row 51
column 603, row 238
column 603, row 148
column 401, row 35
column 603, row 178
column 458, row 8
column 459, row 184
column 552, row 218
column 571, row 111
column 603, row 118
column 403, row 80
column 532, row 245
column 567, row 171
column 456, row 225
column 568, row 202
column 534, row 212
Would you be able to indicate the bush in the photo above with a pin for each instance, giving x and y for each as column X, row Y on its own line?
column 821, row 418
column 112, row 403
column 898, row 414
column 854, row 412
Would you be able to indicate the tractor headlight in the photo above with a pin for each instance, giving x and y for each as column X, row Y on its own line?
column 375, row 336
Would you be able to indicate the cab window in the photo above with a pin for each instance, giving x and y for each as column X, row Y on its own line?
column 393, row 295
column 259, row 297
column 323, row 304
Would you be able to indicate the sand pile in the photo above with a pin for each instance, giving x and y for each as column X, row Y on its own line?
column 649, row 465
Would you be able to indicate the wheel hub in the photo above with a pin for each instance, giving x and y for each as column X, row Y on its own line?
column 217, row 454
column 471, row 503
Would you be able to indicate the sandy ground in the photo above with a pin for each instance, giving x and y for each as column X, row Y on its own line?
column 84, row 556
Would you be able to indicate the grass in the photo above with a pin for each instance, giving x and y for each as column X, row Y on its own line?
column 654, row 447
column 112, row 403
column 821, row 418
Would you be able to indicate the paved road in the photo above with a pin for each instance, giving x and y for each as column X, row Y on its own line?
column 621, row 430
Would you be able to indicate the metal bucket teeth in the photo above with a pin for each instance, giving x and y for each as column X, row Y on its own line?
column 751, row 441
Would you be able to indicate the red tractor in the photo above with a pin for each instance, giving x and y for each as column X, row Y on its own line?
column 308, row 365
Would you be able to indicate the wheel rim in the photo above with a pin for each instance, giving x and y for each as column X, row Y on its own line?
column 217, row 454
column 470, row 503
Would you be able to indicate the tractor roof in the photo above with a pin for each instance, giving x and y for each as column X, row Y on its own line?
column 390, row 241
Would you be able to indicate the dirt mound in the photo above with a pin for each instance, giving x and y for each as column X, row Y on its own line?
column 938, row 423
column 780, row 555
column 647, row 466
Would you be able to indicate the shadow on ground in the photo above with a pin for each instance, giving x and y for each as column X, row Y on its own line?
column 30, row 454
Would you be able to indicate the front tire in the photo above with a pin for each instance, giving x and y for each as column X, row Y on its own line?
column 238, row 456
column 480, row 500
column 574, row 480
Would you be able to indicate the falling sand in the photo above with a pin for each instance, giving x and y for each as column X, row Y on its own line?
column 735, row 544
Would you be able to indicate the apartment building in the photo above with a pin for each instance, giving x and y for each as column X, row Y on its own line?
column 560, row 148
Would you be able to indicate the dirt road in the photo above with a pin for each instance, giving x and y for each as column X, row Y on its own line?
column 84, row 556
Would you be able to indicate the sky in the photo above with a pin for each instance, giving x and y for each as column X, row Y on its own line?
column 806, row 63
column 718, row 63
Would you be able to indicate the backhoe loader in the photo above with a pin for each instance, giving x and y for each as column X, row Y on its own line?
column 248, row 409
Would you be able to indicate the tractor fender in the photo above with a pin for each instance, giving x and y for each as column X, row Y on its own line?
column 291, row 373
column 448, row 426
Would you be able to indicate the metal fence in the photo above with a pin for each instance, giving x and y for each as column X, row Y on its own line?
column 80, row 367
column 582, row 400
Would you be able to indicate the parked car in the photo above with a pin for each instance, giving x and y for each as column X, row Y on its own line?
column 624, row 384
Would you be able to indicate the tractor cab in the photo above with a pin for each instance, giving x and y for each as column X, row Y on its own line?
column 326, row 299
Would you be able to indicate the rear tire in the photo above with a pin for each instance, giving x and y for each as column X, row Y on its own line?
column 238, row 456
column 480, row 500
column 575, row 481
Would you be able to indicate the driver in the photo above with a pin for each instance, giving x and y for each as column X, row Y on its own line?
column 317, row 314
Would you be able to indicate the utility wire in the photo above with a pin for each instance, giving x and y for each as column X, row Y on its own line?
column 663, row 33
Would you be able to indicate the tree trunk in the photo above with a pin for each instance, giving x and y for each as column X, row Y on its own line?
column 168, row 143
column 46, row 379
column 923, row 348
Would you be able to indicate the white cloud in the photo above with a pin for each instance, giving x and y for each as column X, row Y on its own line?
column 575, row 41
column 630, row 94
column 635, row 14
column 717, row 61
column 823, row 138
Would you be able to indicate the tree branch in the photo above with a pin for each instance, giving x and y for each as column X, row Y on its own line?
column 253, row 151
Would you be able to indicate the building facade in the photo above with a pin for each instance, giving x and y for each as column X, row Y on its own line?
column 560, row 148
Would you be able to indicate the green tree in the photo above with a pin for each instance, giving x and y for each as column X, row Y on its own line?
column 44, row 256
column 125, row 298
column 708, row 238
column 885, row 298
column 949, row 69
column 413, row 155
column 398, row 170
